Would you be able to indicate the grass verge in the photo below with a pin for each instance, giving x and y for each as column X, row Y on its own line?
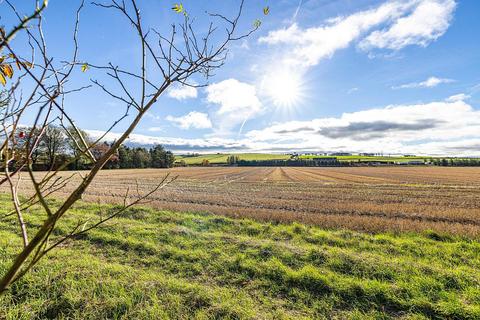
column 165, row 265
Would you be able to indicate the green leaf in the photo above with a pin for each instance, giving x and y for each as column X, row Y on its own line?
column 257, row 23
column 266, row 10
column 85, row 67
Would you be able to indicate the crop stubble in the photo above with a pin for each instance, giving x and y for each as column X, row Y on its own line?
column 372, row 199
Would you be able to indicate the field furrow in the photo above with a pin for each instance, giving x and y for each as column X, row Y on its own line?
column 371, row 199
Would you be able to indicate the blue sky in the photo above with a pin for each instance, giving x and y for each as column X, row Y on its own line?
column 319, row 75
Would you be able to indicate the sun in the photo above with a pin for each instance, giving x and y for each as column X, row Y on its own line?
column 283, row 87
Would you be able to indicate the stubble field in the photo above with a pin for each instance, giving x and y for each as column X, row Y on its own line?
column 178, row 259
column 372, row 199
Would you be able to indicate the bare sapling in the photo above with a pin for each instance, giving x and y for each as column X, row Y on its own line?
column 36, row 86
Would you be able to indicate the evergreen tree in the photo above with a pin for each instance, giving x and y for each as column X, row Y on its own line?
column 169, row 159
column 125, row 157
column 232, row 159
column 141, row 158
column 158, row 157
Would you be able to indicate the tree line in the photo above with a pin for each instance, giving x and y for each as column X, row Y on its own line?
column 472, row 162
column 234, row 160
column 58, row 146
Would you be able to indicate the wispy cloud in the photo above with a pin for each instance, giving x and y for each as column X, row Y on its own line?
column 429, row 83
column 194, row 119
column 294, row 17
column 458, row 97
column 352, row 90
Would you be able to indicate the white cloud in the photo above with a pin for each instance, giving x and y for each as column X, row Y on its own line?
column 429, row 21
column 393, row 129
column 458, row 97
column 436, row 128
column 238, row 102
column 178, row 144
column 182, row 92
column 352, row 90
column 429, row 83
column 152, row 116
column 407, row 21
column 194, row 119
column 155, row 129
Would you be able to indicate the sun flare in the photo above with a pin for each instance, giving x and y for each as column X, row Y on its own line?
column 284, row 88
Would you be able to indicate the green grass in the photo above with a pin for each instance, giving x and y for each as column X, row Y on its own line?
column 151, row 264
column 370, row 158
column 197, row 160
column 222, row 158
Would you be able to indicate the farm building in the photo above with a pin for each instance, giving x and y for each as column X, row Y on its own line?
column 341, row 154
column 411, row 163
column 416, row 162
column 321, row 161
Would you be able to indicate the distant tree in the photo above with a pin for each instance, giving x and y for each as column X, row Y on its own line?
column 157, row 155
column 100, row 150
column 205, row 163
column 160, row 158
column 125, row 160
column 233, row 159
column 169, row 159
column 141, row 158
column 52, row 143
column 77, row 151
column 181, row 163
column 21, row 139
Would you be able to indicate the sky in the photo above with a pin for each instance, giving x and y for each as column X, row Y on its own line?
column 391, row 77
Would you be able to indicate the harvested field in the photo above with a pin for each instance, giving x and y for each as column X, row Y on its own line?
column 373, row 199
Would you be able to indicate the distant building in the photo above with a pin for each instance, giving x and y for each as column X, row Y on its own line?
column 410, row 163
column 340, row 154
column 416, row 162
column 367, row 154
column 325, row 160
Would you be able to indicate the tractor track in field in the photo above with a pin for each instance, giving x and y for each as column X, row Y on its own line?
column 369, row 199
